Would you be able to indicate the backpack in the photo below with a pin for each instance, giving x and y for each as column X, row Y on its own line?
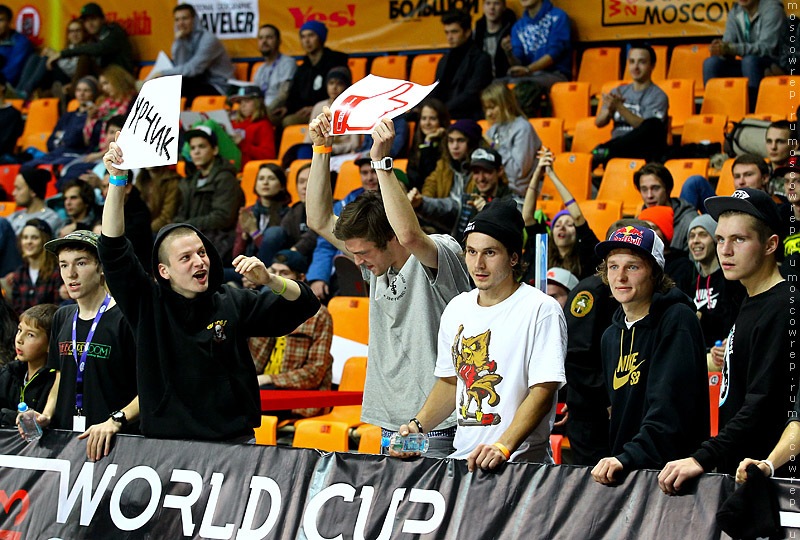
column 747, row 137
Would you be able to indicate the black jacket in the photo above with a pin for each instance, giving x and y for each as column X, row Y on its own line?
column 462, row 74
column 112, row 46
column 137, row 226
column 657, row 382
column 194, row 370
column 13, row 390
column 500, row 59
column 308, row 84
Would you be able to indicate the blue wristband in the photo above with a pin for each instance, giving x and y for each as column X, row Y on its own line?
column 118, row 180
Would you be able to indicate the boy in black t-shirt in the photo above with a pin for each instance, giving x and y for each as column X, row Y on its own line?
column 92, row 349
column 756, row 375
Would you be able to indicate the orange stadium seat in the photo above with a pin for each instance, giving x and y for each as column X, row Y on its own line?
column 778, row 96
column 42, row 118
column 599, row 65
column 725, row 185
column 401, row 164
column 700, row 128
column 144, row 71
column 555, row 444
column 570, row 102
column 370, row 441
column 681, row 101
column 391, row 67
column 7, row 208
column 358, row 68
column 660, row 69
column 353, row 377
column 587, row 135
column 180, row 168
column 687, row 63
column 291, row 136
column 291, row 181
column 423, row 68
column 600, row 214
column 322, row 435
column 575, row 172
column 248, row 183
column 617, row 184
column 253, row 70
column 350, row 318
column 18, row 104
column 267, row 432
column 726, row 96
column 551, row 132
column 240, row 70
column 485, row 125
column 7, row 175
column 349, row 178
column 208, row 103
column 550, row 207
column 682, row 169
column 73, row 105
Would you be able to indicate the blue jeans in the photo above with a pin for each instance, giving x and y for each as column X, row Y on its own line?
column 750, row 66
column 273, row 239
column 696, row 190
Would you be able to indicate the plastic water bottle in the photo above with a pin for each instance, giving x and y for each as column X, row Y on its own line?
column 413, row 442
column 27, row 419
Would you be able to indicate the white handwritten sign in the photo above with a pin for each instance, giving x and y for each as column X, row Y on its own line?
column 359, row 108
column 150, row 135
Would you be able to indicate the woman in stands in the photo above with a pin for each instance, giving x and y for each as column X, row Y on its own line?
column 254, row 133
column 37, row 76
column 451, row 175
column 259, row 229
column 570, row 241
column 426, row 147
column 38, row 280
column 510, row 134
column 300, row 236
column 119, row 88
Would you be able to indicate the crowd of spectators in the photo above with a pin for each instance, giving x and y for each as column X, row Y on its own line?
column 640, row 316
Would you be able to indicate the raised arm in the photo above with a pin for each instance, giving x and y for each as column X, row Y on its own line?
column 114, row 208
column 319, row 197
column 566, row 196
column 399, row 211
column 535, row 186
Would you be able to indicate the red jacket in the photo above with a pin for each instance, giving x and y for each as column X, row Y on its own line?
column 259, row 139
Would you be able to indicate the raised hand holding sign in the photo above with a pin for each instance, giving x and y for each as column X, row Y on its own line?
column 150, row 134
column 362, row 106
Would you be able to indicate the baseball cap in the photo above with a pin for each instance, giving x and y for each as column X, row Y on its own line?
column 563, row 277
column 754, row 202
column 366, row 160
column 640, row 239
column 792, row 166
column 78, row 239
column 486, row 158
column 202, row 131
column 91, row 10
column 295, row 260
column 249, row 91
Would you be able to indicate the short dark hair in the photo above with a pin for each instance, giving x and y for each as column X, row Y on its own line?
column 649, row 50
column 657, row 170
column 85, row 190
column 763, row 231
column 116, row 120
column 752, row 159
column 40, row 316
column 79, row 246
column 186, row 7
column 5, row 10
column 780, row 124
column 365, row 218
column 459, row 17
column 274, row 29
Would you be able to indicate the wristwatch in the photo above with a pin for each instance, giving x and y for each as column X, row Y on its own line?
column 120, row 418
column 384, row 164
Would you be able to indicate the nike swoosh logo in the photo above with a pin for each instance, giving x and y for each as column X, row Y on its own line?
column 706, row 301
column 619, row 382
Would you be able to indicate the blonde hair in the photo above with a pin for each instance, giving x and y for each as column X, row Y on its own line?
column 259, row 113
column 122, row 81
column 499, row 94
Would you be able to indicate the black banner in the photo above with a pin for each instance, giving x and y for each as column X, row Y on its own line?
column 156, row 489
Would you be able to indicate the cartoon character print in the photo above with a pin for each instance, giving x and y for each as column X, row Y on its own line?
column 477, row 371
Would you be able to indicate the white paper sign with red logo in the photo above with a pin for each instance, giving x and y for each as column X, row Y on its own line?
column 150, row 135
column 362, row 106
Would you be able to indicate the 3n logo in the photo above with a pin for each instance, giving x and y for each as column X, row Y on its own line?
column 622, row 12
column 7, row 502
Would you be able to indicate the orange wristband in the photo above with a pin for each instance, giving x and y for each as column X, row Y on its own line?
column 322, row 149
column 503, row 449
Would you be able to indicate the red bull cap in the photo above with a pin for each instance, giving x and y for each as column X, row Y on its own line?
column 639, row 239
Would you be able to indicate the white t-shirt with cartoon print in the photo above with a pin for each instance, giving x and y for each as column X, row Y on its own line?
column 498, row 353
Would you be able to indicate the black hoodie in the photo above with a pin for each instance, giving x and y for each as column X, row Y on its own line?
column 657, row 382
column 195, row 374
column 13, row 390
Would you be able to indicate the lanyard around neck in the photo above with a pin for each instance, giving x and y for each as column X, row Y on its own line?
column 81, row 364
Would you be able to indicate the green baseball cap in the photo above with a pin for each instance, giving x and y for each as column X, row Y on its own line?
column 77, row 239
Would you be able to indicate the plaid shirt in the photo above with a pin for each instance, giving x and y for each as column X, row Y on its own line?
column 24, row 294
column 307, row 359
